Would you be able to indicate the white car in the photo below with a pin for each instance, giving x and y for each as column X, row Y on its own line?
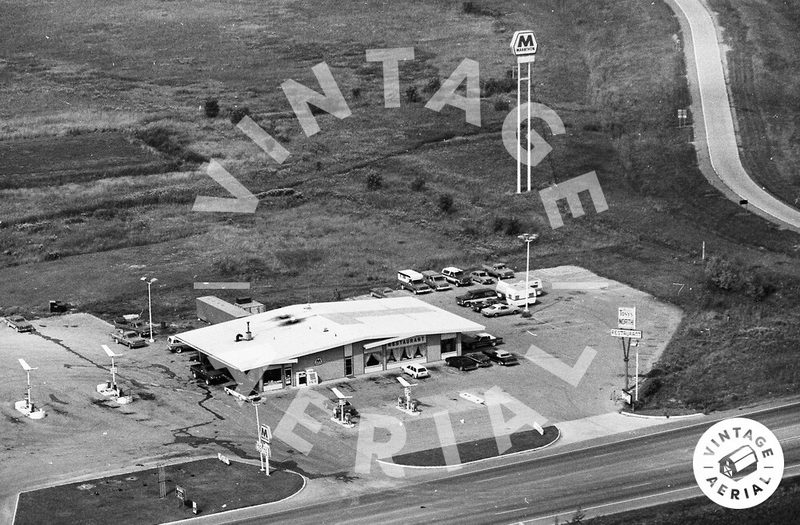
column 414, row 370
column 499, row 309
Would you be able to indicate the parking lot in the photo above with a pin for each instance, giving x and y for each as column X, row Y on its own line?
column 172, row 415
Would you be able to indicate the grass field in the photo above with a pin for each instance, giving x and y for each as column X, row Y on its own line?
column 765, row 81
column 477, row 450
column 133, row 498
column 143, row 69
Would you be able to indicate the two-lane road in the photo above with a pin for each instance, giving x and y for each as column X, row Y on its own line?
column 717, row 119
column 634, row 473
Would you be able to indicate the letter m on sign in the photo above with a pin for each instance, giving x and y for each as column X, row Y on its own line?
column 569, row 190
column 525, row 40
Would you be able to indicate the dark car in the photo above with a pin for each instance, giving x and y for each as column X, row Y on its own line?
column 479, row 340
column 480, row 360
column 501, row 356
column 477, row 306
column 475, row 295
column 461, row 362
column 210, row 375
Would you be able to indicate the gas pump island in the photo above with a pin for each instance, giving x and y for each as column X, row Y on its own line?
column 26, row 406
column 110, row 388
column 404, row 402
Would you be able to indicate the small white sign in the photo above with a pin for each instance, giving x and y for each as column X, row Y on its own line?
column 523, row 43
column 633, row 334
column 626, row 318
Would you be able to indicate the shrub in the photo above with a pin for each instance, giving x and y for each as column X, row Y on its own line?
column 495, row 86
column 161, row 139
column 411, row 94
column 418, row 184
column 501, row 104
column 507, row 225
column 211, row 108
column 238, row 113
column 374, row 181
column 446, row 203
column 356, row 92
column 722, row 273
column 433, row 85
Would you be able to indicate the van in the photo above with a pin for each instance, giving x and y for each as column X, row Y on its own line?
column 435, row 280
column 456, row 276
column 413, row 281
column 416, row 371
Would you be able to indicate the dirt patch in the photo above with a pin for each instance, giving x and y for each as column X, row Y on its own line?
column 57, row 160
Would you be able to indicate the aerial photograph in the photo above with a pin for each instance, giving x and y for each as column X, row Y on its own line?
column 399, row 262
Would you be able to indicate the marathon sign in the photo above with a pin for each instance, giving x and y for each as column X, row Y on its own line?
column 523, row 43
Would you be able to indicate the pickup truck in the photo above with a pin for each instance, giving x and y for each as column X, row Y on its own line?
column 209, row 375
column 499, row 270
column 128, row 338
column 479, row 340
column 19, row 323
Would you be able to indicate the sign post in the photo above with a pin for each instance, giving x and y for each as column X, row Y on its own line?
column 262, row 445
column 524, row 46
column 625, row 336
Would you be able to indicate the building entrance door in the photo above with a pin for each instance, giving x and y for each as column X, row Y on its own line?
column 348, row 366
column 287, row 376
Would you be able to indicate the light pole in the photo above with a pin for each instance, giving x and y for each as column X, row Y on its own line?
column 150, row 304
column 527, row 238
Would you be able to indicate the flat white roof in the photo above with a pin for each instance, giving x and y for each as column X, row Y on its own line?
column 321, row 326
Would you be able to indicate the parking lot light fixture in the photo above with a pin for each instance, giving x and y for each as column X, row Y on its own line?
column 150, row 304
column 527, row 238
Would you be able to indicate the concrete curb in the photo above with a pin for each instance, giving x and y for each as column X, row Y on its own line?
column 645, row 416
column 455, row 467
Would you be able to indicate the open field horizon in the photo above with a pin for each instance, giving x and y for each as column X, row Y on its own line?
column 75, row 73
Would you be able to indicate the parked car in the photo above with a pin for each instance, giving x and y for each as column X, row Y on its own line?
column 499, row 309
column 210, row 375
column 479, row 305
column 142, row 328
column 499, row 270
column 501, row 356
column 19, row 323
column 176, row 346
column 435, row 280
column 479, row 340
column 474, row 295
column 129, row 338
column 413, row 282
column 481, row 360
column 462, row 363
column 480, row 277
column 383, row 292
column 414, row 370
column 456, row 276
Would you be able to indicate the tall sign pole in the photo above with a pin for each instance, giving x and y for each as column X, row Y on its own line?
column 524, row 46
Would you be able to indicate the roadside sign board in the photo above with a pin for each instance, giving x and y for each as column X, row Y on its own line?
column 633, row 334
column 523, row 43
column 626, row 317
column 180, row 492
column 265, row 434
